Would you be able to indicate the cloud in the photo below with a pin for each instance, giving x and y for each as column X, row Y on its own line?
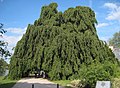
column 114, row 11
column 105, row 38
column 12, row 39
column 102, row 25
column 110, row 5
column 16, row 30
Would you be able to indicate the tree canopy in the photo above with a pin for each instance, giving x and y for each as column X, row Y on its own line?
column 59, row 43
column 3, row 66
column 115, row 41
column 3, row 51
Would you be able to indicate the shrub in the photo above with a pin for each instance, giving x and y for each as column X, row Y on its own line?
column 96, row 71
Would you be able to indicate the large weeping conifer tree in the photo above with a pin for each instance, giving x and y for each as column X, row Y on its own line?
column 58, row 43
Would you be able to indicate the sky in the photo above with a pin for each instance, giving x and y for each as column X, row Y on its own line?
column 17, row 14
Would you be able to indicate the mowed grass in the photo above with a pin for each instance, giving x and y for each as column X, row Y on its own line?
column 6, row 83
column 116, row 83
column 63, row 82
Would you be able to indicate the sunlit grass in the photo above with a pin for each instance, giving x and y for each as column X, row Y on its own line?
column 116, row 83
column 63, row 82
column 6, row 83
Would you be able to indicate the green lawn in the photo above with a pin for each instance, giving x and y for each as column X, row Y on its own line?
column 115, row 83
column 63, row 82
column 6, row 83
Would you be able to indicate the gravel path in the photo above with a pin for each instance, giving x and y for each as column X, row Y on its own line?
column 38, row 83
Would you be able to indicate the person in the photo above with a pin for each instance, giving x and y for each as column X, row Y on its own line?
column 39, row 73
column 42, row 73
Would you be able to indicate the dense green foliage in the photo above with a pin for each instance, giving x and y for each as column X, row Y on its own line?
column 97, row 71
column 115, row 41
column 3, row 66
column 59, row 43
column 3, row 44
column 4, row 53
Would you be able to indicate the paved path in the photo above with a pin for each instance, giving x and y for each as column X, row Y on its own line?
column 38, row 83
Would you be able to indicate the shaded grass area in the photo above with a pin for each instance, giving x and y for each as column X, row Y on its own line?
column 6, row 83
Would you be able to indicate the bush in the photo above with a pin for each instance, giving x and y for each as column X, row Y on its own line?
column 96, row 71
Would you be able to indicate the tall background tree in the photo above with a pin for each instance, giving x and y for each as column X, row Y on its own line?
column 115, row 41
column 60, row 43
column 4, row 53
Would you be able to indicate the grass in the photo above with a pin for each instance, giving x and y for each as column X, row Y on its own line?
column 67, row 83
column 6, row 83
column 63, row 82
column 116, row 83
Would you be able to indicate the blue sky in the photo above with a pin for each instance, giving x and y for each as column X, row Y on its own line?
column 17, row 14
